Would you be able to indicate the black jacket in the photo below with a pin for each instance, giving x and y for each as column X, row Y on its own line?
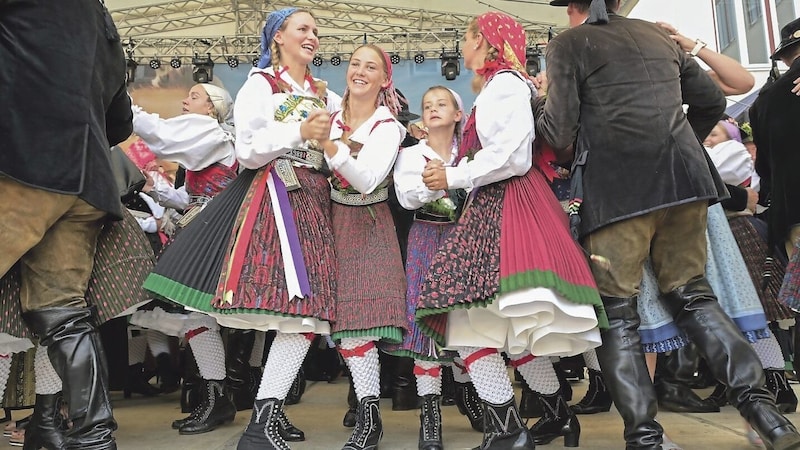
column 775, row 118
column 617, row 90
column 62, row 97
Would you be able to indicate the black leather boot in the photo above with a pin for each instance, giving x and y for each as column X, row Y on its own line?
column 404, row 386
column 563, row 383
column 732, row 361
column 529, row 406
column 288, row 431
column 238, row 379
column 297, row 389
column 720, row 395
column 631, row 389
column 168, row 377
column 263, row 430
column 215, row 409
column 430, row 424
column 504, row 429
column 76, row 352
column 349, row 420
column 137, row 383
column 470, row 405
column 557, row 420
column 597, row 398
column 785, row 398
column 448, row 387
column 676, row 396
column 44, row 428
column 369, row 426
column 192, row 383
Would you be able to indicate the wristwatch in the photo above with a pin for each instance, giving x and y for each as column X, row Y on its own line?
column 699, row 45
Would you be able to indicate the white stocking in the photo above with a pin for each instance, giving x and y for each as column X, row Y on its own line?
column 489, row 375
column 202, row 334
column 538, row 373
column 283, row 363
column 361, row 357
column 429, row 377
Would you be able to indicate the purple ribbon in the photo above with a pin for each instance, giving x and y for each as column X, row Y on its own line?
column 291, row 233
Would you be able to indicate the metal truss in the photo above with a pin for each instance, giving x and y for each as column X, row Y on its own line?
column 343, row 26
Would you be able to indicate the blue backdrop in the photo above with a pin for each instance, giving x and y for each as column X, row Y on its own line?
column 411, row 78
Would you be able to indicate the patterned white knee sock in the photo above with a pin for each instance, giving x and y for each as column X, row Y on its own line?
column 47, row 380
column 769, row 351
column 5, row 370
column 158, row 342
column 460, row 372
column 590, row 358
column 202, row 334
column 488, row 372
column 538, row 373
column 429, row 377
column 361, row 357
column 137, row 346
column 283, row 362
column 257, row 355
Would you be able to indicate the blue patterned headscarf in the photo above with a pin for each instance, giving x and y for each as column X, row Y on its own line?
column 275, row 20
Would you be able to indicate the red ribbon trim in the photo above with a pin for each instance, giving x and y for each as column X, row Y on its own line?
column 522, row 361
column 192, row 333
column 359, row 351
column 432, row 372
column 478, row 355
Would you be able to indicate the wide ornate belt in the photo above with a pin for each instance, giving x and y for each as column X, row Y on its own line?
column 303, row 157
column 356, row 199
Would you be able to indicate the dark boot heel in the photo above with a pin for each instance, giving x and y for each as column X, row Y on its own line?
column 572, row 437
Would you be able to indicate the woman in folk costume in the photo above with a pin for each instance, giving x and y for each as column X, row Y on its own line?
column 509, row 276
column 364, row 140
column 435, row 214
column 201, row 140
column 268, row 263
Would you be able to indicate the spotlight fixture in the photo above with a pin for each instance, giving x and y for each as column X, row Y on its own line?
column 233, row 62
column 317, row 61
column 175, row 63
column 203, row 71
column 451, row 66
column 155, row 64
column 336, row 60
column 255, row 61
column 533, row 56
column 130, row 68
column 394, row 58
column 419, row 58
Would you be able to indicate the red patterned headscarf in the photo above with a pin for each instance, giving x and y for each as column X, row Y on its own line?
column 508, row 37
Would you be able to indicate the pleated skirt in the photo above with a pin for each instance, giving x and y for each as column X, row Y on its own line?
column 510, row 276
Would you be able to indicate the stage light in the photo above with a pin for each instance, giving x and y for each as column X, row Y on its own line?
column 395, row 58
column 233, row 62
column 175, row 63
column 130, row 68
column 336, row 60
column 533, row 57
column 419, row 58
column 203, row 71
column 451, row 66
column 255, row 61
column 317, row 61
column 155, row 64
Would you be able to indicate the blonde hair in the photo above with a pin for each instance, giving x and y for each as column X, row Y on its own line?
column 380, row 98
column 479, row 80
column 457, row 128
column 320, row 86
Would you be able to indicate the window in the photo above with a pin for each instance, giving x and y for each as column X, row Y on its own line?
column 726, row 23
column 753, row 11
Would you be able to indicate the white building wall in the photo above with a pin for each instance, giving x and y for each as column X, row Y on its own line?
column 695, row 19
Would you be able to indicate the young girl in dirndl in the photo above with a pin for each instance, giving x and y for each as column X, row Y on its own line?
column 370, row 297
column 435, row 214
column 509, row 276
